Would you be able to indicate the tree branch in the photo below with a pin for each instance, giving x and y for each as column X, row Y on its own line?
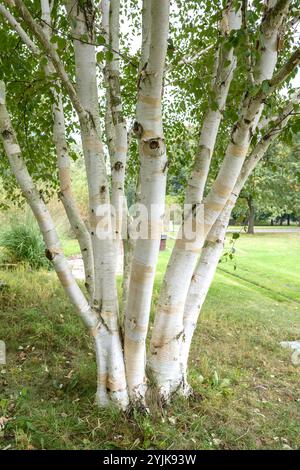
column 18, row 28
column 50, row 51
column 42, row 215
column 247, row 42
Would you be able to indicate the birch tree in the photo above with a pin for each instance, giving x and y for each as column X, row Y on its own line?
column 226, row 78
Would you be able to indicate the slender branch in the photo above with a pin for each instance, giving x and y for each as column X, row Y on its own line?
column 50, row 51
column 18, row 28
column 91, row 43
column 42, row 215
column 247, row 42
column 212, row 250
column 285, row 70
column 278, row 124
column 64, row 165
column 187, row 59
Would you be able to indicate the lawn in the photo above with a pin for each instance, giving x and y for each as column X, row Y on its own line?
column 247, row 389
column 70, row 246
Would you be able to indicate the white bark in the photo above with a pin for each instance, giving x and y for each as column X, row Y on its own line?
column 109, row 371
column 213, row 247
column 18, row 28
column 168, row 327
column 67, row 197
column 146, row 33
column 115, row 123
column 64, row 167
column 112, row 383
column 61, row 149
column 180, row 298
column 200, row 283
column 250, row 115
column 225, row 66
column 43, row 217
column 153, row 159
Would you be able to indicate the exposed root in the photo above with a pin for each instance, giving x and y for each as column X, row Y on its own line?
column 136, row 406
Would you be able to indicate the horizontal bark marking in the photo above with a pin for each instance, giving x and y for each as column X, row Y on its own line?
column 214, row 206
column 222, row 189
column 120, row 149
column 188, row 245
column 152, row 101
column 148, row 134
column 110, row 321
column 115, row 384
column 170, row 309
column 65, row 183
column 141, row 272
column 195, row 175
column 237, row 150
column 93, row 144
column 13, row 149
column 155, row 118
column 131, row 342
column 102, row 379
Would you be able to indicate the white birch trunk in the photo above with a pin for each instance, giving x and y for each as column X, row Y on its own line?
column 199, row 285
column 180, row 298
column 225, row 66
column 64, row 170
column 67, row 198
column 250, row 115
column 110, row 362
column 118, row 163
column 115, row 123
column 35, row 200
column 168, row 327
column 96, row 324
column 212, row 250
column 153, row 159
column 112, row 382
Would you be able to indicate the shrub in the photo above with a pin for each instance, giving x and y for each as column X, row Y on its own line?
column 23, row 243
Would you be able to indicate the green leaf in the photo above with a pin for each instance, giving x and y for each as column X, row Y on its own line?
column 100, row 40
column 100, row 57
column 109, row 56
column 61, row 43
column 265, row 86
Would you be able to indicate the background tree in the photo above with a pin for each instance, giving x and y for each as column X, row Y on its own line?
column 272, row 191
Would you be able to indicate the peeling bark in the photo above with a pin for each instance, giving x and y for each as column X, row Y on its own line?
column 166, row 337
column 64, row 166
column 212, row 250
column 110, row 354
column 152, row 150
column 43, row 217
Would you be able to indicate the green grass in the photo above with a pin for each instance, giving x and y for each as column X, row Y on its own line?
column 70, row 246
column 247, row 390
column 271, row 261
